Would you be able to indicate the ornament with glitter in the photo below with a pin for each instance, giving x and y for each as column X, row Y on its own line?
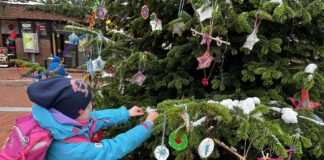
column 161, row 152
column 145, row 12
column 304, row 102
column 206, row 147
column 204, row 60
column 178, row 28
column 98, row 64
column 74, row 39
column 138, row 78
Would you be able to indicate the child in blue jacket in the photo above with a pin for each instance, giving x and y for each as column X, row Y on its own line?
column 63, row 107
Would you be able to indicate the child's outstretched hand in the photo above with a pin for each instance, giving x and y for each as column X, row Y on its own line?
column 152, row 116
column 136, row 111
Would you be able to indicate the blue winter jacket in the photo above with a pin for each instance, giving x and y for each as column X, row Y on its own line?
column 57, row 67
column 107, row 149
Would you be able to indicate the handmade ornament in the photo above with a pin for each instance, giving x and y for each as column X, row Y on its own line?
column 101, row 12
column 91, row 20
column 89, row 67
column 106, row 75
column 204, row 60
column 138, row 78
column 178, row 141
column 161, row 152
column 204, row 82
column 73, row 39
column 204, row 13
column 178, row 28
column 81, row 44
column 156, row 24
column 267, row 157
column 145, row 12
column 206, row 147
column 252, row 38
column 290, row 151
column 166, row 47
column 304, row 102
column 185, row 117
column 98, row 64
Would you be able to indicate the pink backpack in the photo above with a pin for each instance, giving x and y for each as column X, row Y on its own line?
column 27, row 141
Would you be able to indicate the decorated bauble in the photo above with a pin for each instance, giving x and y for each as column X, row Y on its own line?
column 206, row 147
column 161, row 152
column 178, row 141
column 204, row 82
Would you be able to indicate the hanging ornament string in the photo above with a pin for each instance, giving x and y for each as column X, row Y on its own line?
column 218, row 40
column 181, row 4
column 163, row 131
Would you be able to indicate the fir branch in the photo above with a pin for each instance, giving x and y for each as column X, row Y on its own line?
column 240, row 157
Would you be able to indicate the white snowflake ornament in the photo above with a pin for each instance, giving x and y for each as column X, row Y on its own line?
column 98, row 64
column 206, row 147
column 204, row 13
column 161, row 152
column 156, row 24
column 251, row 40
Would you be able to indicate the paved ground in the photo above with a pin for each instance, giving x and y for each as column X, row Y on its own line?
column 14, row 101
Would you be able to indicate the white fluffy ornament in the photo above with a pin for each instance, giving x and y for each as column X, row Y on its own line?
column 251, row 40
column 206, row 147
column 161, row 152
column 204, row 13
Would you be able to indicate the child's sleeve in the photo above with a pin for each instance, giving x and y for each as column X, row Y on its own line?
column 110, row 117
column 121, row 145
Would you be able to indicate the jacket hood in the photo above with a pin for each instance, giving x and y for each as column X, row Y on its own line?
column 56, row 59
column 59, row 131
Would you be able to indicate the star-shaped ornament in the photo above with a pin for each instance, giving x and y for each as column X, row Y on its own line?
column 178, row 28
column 101, row 12
column 161, row 152
column 156, row 24
column 74, row 39
column 204, row 13
column 145, row 12
column 304, row 102
column 90, row 67
column 204, row 60
column 138, row 78
column 98, row 64
column 251, row 40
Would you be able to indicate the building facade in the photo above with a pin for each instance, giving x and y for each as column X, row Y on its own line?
column 51, row 36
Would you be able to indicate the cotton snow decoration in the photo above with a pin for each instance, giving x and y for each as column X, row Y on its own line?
column 311, row 68
column 228, row 103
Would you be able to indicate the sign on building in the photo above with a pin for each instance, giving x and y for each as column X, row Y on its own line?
column 30, row 41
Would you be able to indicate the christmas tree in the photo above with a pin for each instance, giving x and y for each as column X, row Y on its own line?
column 217, row 69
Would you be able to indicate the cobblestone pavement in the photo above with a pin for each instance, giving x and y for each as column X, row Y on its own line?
column 14, row 101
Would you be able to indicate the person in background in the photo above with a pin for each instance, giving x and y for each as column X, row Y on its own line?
column 57, row 67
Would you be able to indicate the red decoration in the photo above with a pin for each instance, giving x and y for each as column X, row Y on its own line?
column 304, row 102
column 204, row 60
column 97, row 137
column 178, row 140
column 204, row 82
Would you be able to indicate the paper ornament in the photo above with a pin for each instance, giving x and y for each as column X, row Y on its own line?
column 206, row 147
column 101, row 12
column 204, row 13
column 138, row 78
column 98, row 64
column 178, row 28
column 204, row 60
column 105, row 75
column 73, row 39
column 251, row 40
column 145, row 12
column 161, row 152
column 178, row 141
column 290, row 151
column 91, row 21
column 156, row 24
column 304, row 102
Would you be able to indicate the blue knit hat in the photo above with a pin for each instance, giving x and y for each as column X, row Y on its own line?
column 69, row 96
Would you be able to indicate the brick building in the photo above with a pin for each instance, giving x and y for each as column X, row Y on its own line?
column 48, row 26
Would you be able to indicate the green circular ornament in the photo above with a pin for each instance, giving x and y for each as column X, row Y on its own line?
column 178, row 141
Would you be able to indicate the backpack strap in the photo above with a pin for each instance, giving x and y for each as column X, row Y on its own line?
column 77, row 139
